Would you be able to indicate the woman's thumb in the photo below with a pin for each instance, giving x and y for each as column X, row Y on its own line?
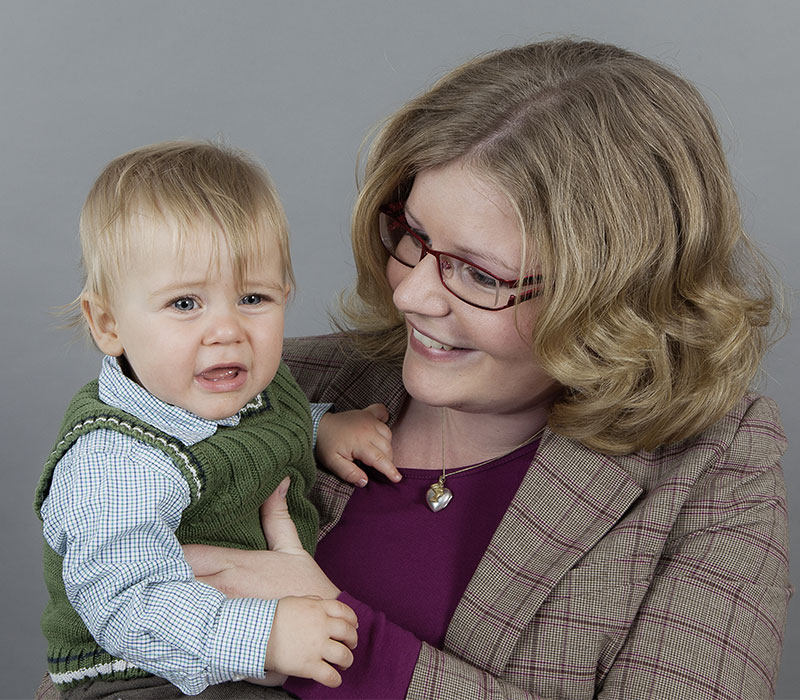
column 278, row 527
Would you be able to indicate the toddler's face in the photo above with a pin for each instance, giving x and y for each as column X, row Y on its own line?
column 192, row 336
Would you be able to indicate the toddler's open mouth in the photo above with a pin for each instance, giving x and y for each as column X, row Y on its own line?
column 222, row 377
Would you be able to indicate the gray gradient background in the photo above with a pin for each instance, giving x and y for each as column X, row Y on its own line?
column 299, row 84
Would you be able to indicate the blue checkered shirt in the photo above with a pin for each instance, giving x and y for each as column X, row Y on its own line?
column 111, row 513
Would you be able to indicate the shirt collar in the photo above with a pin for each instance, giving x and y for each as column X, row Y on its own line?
column 119, row 391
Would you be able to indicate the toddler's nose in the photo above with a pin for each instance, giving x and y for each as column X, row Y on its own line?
column 224, row 327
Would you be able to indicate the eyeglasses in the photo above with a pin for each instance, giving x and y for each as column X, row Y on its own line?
column 466, row 280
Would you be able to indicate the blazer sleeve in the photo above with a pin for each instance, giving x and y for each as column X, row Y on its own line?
column 712, row 622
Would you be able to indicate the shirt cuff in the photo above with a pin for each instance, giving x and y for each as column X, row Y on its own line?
column 317, row 411
column 383, row 661
column 238, row 647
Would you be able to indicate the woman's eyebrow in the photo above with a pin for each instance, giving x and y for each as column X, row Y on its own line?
column 486, row 258
column 411, row 220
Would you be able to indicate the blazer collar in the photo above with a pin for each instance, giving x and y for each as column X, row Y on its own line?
column 569, row 498
column 354, row 385
column 358, row 383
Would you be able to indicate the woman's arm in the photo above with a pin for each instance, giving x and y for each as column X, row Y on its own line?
column 286, row 569
column 711, row 624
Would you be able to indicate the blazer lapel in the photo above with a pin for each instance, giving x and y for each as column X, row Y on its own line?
column 355, row 385
column 569, row 498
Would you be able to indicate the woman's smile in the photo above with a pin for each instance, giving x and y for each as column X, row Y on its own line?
column 430, row 342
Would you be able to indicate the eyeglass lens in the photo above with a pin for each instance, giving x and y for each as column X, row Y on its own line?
column 467, row 281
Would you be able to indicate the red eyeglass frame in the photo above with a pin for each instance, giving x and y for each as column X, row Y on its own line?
column 395, row 212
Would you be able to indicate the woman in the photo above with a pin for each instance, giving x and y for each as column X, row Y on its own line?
column 558, row 305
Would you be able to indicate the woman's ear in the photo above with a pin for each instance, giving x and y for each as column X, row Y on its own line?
column 102, row 325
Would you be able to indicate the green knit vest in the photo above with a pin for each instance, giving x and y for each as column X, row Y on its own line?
column 229, row 475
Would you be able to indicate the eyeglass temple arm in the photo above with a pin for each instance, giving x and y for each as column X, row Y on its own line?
column 527, row 281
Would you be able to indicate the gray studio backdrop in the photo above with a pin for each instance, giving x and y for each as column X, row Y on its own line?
column 299, row 84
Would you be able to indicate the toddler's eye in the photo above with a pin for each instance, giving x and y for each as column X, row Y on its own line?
column 252, row 299
column 184, row 304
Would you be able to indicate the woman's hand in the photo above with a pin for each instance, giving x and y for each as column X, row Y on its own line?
column 285, row 570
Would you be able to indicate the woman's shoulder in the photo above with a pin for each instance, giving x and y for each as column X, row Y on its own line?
column 748, row 440
column 314, row 361
column 318, row 351
column 331, row 368
column 750, row 429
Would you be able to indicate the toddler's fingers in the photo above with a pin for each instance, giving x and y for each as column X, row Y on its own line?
column 325, row 674
column 384, row 431
column 337, row 654
column 342, row 632
column 347, row 470
column 379, row 411
column 342, row 611
column 377, row 458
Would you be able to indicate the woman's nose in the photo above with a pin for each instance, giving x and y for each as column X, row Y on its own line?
column 419, row 289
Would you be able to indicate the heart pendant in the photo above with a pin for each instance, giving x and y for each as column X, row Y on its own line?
column 438, row 497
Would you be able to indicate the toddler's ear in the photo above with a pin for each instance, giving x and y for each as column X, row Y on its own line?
column 103, row 326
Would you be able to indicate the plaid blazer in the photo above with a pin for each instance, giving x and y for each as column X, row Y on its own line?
column 658, row 574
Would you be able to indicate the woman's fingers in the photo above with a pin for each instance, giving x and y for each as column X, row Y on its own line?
column 278, row 527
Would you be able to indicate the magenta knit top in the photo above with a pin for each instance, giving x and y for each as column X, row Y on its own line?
column 403, row 568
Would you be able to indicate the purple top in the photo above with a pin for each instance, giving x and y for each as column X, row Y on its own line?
column 405, row 567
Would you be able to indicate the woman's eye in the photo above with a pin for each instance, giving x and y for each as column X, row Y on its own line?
column 252, row 299
column 184, row 304
column 409, row 240
column 480, row 278
column 422, row 239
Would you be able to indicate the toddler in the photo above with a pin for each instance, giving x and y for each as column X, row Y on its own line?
column 193, row 422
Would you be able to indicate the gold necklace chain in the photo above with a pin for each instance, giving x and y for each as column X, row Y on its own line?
column 438, row 495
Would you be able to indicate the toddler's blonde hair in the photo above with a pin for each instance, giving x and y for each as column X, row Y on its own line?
column 188, row 185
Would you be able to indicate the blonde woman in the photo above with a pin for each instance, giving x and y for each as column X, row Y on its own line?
column 558, row 305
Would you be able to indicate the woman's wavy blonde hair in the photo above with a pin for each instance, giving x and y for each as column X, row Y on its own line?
column 656, row 307
column 188, row 185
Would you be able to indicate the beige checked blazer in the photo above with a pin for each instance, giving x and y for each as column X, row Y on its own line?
column 659, row 574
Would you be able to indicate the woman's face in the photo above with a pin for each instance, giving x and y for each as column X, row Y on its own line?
column 460, row 356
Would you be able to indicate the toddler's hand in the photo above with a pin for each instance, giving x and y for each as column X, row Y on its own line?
column 308, row 636
column 270, row 680
column 356, row 435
